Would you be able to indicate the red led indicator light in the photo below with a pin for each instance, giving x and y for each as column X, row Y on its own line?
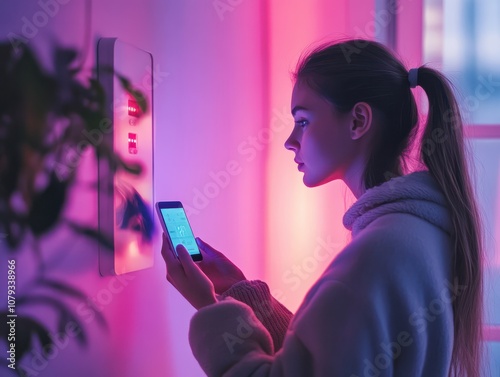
column 132, row 143
column 133, row 108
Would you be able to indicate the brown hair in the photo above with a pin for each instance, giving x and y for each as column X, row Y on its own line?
column 353, row 71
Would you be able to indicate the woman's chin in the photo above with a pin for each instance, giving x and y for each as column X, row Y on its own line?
column 308, row 182
column 314, row 181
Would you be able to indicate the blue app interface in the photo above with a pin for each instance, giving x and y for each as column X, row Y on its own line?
column 179, row 229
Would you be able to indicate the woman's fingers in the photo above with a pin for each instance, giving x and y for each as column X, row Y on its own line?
column 172, row 263
column 166, row 250
column 205, row 246
column 186, row 276
column 185, row 258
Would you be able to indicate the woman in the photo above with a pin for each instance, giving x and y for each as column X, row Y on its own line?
column 404, row 297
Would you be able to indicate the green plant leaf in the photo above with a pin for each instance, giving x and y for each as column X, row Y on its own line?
column 98, row 92
column 136, row 94
column 61, row 287
column 63, row 57
column 47, row 206
column 66, row 316
column 71, row 291
column 116, row 162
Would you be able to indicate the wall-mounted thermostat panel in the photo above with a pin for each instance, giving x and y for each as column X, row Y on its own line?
column 126, row 200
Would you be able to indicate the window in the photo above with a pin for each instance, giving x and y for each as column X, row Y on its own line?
column 463, row 38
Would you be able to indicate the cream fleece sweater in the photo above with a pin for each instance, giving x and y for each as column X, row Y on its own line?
column 383, row 307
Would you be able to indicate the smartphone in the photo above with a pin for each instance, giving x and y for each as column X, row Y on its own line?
column 176, row 226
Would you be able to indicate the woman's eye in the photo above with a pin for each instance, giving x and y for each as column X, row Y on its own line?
column 301, row 123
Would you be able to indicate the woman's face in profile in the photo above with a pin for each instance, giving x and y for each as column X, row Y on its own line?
column 320, row 137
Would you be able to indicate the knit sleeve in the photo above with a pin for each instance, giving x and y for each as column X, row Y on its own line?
column 272, row 314
column 330, row 335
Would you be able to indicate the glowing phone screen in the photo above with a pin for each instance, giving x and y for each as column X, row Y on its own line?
column 179, row 230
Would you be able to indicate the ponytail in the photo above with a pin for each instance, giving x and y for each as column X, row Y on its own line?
column 444, row 153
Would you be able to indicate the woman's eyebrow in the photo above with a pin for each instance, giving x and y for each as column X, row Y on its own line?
column 297, row 108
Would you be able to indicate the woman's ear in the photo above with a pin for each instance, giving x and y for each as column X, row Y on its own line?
column 362, row 118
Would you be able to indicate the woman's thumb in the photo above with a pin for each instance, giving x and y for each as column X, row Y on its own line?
column 204, row 246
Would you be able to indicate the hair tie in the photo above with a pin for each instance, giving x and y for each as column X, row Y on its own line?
column 413, row 77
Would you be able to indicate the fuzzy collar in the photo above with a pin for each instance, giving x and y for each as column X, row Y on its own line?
column 417, row 194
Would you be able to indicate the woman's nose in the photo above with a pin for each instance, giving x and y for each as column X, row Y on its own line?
column 291, row 143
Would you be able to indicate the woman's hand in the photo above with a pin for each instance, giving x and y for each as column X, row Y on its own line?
column 221, row 271
column 187, row 277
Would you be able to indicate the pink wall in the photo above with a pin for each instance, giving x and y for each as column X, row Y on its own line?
column 208, row 111
column 304, row 229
